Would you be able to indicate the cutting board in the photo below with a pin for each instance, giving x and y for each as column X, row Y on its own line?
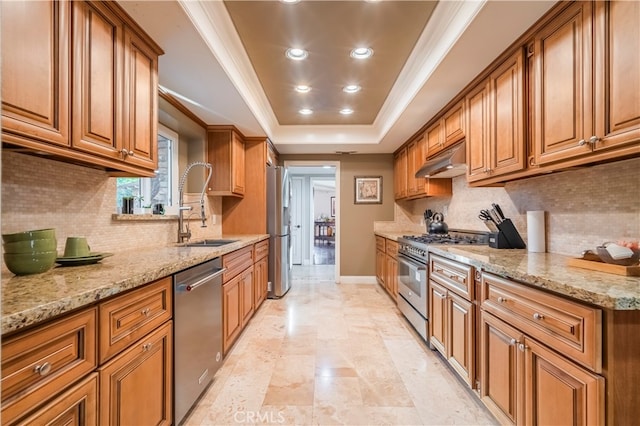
column 631, row 271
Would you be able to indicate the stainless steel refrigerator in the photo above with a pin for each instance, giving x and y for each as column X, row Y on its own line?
column 278, row 227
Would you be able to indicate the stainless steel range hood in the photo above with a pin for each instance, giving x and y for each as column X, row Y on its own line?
column 449, row 163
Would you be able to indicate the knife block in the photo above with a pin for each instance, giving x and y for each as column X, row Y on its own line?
column 507, row 237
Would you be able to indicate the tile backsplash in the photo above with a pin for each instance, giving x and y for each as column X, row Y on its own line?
column 79, row 201
column 584, row 207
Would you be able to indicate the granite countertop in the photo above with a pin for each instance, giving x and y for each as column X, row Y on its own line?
column 550, row 271
column 30, row 299
column 394, row 235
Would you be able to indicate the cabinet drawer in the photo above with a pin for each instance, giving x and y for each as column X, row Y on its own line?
column 392, row 248
column 128, row 317
column 76, row 406
column 573, row 329
column 455, row 276
column 236, row 262
column 38, row 364
column 260, row 250
column 380, row 243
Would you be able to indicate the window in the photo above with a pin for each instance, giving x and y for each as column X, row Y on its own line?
column 161, row 189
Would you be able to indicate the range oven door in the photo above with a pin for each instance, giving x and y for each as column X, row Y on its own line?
column 412, row 283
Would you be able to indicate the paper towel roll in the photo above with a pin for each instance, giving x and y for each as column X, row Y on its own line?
column 536, row 231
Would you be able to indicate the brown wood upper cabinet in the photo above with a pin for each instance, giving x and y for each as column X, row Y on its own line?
column 96, row 106
column 446, row 131
column 495, row 122
column 225, row 151
column 586, row 84
column 400, row 174
column 35, row 93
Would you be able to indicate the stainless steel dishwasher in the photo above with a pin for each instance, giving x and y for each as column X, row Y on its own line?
column 197, row 342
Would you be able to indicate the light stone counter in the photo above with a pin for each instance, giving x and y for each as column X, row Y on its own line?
column 30, row 299
column 550, row 271
column 394, row 235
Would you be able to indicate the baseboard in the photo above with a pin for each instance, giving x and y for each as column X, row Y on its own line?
column 354, row 279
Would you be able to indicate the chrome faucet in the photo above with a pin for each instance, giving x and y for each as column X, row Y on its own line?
column 183, row 229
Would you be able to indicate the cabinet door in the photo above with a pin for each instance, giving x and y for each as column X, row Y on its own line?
column 461, row 337
column 261, row 279
column 435, row 139
column 506, row 140
column 563, row 86
column 35, row 70
column 225, row 151
column 400, row 174
column 237, row 160
column 380, row 267
column 617, row 73
column 559, row 392
column 477, row 132
column 453, row 124
column 97, row 82
column 246, row 293
column 414, row 159
column 391, row 276
column 500, row 369
column 136, row 386
column 76, row 406
column 140, row 102
column 438, row 317
column 231, row 314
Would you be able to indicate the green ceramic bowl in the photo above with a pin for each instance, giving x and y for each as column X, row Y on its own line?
column 38, row 234
column 30, row 263
column 30, row 246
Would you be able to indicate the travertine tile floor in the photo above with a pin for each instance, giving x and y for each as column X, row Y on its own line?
column 329, row 354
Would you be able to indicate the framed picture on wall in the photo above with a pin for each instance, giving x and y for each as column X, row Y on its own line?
column 368, row 190
column 333, row 206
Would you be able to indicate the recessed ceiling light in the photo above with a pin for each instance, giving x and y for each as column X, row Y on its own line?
column 306, row 111
column 351, row 88
column 297, row 54
column 361, row 53
column 302, row 88
column 346, row 111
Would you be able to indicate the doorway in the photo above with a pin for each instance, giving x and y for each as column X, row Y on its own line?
column 315, row 219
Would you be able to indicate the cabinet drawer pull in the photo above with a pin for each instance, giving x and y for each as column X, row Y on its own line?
column 43, row 369
column 582, row 142
column 593, row 140
column 522, row 347
column 502, row 299
column 146, row 347
column 513, row 342
column 145, row 312
column 538, row 316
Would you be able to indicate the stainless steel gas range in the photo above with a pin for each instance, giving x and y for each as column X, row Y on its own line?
column 412, row 271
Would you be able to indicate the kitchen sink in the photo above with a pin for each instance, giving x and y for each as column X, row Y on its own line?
column 209, row 243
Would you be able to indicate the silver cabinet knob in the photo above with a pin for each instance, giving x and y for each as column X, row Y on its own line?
column 43, row 369
column 146, row 347
column 513, row 342
column 124, row 152
column 502, row 299
column 593, row 140
column 522, row 347
column 538, row 316
column 582, row 142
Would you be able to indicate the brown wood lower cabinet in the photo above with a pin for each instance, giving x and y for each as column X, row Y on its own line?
column 136, row 386
column 261, row 281
column 77, row 406
column 232, row 316
column 523, row 382
column 246, row 295
column 39, row 363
